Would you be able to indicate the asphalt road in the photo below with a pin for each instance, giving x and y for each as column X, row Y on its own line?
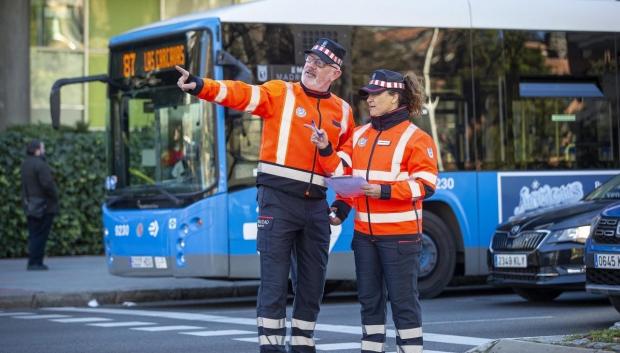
column 454, row 322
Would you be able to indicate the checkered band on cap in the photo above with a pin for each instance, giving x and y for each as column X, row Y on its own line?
column 329, row 53
column 387, row 84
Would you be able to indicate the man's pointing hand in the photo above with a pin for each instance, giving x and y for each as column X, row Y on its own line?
column 183, row 79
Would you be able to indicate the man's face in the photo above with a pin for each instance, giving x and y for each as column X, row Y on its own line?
column 318, row 75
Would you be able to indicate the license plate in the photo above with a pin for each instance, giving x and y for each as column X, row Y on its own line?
column 511, row 260
column 607, row 261
column 160, row 262
column 141, row 262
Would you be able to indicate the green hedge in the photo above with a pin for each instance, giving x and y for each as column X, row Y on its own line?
column 78, row 161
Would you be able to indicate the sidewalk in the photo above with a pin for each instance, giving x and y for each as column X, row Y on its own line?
column 76, row 280
column 545, row 344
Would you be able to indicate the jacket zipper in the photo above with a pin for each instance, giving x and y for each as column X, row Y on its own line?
column 316, row 149
column 372, row 151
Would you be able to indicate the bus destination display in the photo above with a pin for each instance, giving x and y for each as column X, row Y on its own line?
column 138, row 62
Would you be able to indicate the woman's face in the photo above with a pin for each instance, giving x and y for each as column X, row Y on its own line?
column 381, row 103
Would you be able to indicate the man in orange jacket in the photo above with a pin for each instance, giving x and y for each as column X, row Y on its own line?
column 293, row 212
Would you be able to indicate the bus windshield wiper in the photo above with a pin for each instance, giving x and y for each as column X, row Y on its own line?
column 177, row 201
column 133, row 193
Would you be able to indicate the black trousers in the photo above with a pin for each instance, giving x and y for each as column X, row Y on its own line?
column 388, row 269
column 288, row 223
column 38, row 232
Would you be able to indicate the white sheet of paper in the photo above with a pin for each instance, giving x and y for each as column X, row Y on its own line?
column 347, row 186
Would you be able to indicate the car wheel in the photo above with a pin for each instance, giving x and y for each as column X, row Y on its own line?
column 537, row 295
column 615, row 301
column 438, row 256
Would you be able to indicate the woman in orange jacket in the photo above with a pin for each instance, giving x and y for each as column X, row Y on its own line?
column 397, row 159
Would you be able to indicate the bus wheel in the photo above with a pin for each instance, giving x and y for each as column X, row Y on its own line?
column 536, row 294
column 615, row 301
column 438, row 256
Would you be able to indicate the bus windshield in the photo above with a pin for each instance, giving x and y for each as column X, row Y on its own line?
column 161, row 141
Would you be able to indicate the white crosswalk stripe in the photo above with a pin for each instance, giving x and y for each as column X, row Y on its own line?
column 122, row 324
column 219, row 333
column 337, row 346
column 33, row 317
column 330, row 346
column 167, row 328
column 15, row 314
column 81, row 320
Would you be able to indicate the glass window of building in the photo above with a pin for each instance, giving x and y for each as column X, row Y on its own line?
column 173, row 8
column 69, row 38
column 57, row 50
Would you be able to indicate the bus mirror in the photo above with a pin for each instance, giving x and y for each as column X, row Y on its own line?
column 55, row 106
column 55, row 93
column 240, row 72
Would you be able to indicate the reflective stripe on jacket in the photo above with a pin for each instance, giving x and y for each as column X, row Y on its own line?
column 288, row 160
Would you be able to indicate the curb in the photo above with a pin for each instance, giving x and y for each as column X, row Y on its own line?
column 514, row 345
column 55, row 299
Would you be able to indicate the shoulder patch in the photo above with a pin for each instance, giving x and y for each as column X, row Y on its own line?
column 429, row 151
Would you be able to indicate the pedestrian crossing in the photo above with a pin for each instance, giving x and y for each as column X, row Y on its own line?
column 100, row 319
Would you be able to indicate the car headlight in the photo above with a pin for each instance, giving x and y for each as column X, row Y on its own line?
column 577, row 235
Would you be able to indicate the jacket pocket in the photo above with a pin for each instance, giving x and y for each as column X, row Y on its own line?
column 408, row 247
column 264, row 225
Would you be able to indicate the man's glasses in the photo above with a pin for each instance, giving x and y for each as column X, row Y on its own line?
column 316, row 61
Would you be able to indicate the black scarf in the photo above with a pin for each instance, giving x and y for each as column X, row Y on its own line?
column 315, row 94
column 390, row 119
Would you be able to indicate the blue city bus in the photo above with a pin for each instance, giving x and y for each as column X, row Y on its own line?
column 523, row 106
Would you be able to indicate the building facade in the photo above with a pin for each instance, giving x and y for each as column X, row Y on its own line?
column 51, row 39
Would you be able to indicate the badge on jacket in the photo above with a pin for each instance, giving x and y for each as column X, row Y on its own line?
column 362, row 142
column 300, row 112
column 429, row 150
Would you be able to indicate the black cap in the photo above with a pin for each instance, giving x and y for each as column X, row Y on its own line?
column 328, row 50
column 382, row 80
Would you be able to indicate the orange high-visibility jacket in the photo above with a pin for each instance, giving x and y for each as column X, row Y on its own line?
column 403, row 160
column 288, row 160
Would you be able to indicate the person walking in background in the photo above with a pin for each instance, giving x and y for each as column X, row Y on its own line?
column 293, row 212
column 398, row 161
column 40, row 197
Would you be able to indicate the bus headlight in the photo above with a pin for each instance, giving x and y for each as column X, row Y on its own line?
column 575, row 235
column 185, row 230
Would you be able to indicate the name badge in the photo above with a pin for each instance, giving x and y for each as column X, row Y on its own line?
column 383, row 143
